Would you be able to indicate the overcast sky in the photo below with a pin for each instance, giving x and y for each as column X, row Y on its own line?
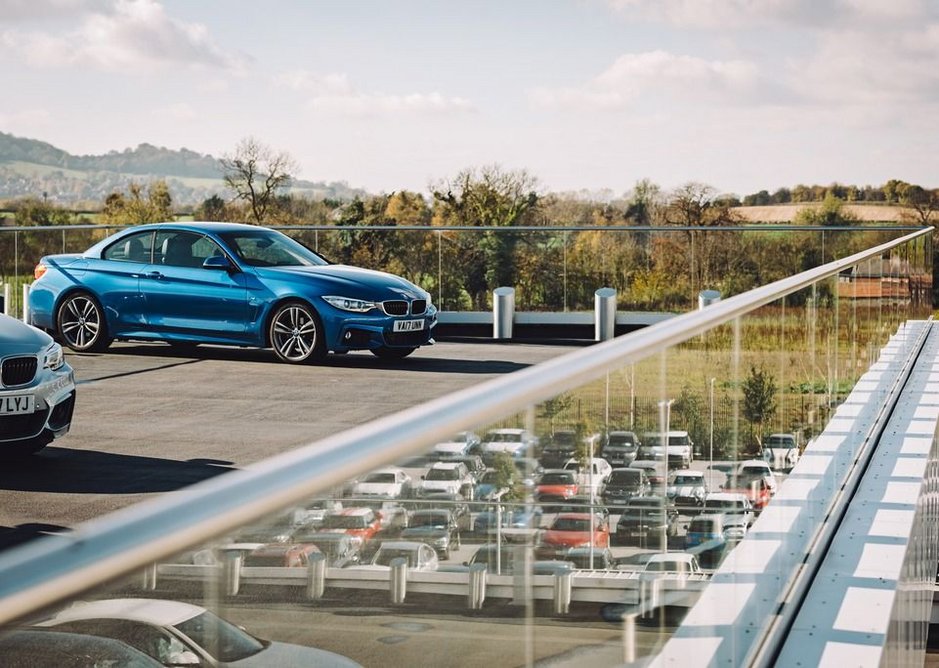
column 742, row 95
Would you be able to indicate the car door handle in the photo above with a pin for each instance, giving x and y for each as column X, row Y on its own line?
column 153, row 274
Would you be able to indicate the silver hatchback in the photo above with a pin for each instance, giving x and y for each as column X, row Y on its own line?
column 37, row 389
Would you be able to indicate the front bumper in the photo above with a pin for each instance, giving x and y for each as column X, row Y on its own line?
column 349, row 331
column 54, row 403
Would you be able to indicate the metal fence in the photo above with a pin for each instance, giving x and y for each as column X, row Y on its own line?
column 818, row 328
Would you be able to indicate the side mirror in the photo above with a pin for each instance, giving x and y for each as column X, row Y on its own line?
column 218, row 262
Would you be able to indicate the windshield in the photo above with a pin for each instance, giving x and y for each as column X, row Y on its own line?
column 731, row 505
column 384, row 556
column 428, row 520
column 671, row 566
column 502, row 437
column 222, row 640
column 443, row 474
column 570, row 524
column 688, row 480
column 625, row 478
column 268, row 248
column 379, row 478
column 345, row 522
column 557, row 479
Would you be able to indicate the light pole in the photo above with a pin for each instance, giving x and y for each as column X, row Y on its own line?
column 665, row 417
column 711, row 453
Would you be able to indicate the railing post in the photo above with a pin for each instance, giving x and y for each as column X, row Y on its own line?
column 562, row 592
column 316, row 576
column 650, row 595
column 629, row 637
column 231, row 574
column 399, row 580
column 477, row 586
column 503, row 312
column 708, row 297
column 26, row 288
column 604, row 307
column 150, row 577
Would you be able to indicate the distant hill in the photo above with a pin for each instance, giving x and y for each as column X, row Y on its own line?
column 29, row 167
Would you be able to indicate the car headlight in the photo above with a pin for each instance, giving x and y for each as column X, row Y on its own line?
column 350, row 304
column 441, row 542
column 55, row 358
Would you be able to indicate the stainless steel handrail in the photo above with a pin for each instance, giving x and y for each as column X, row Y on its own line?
column 57, row 567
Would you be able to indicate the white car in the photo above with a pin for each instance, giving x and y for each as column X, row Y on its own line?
column 688, row 488
column 682, row 563
column 177, row 633
column 37, row 389
column 753, row 468
column 448, row 478
column 419, row 556
column 390, row 482
column 463, row 444
column 597, row 474
column 515, row 442
column 781, row 452
column 736, row 509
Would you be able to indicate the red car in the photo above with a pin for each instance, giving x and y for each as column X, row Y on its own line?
column 362, row 523
column 573, row 530
column 557, row 485
column 281, row 554
column 756, row 488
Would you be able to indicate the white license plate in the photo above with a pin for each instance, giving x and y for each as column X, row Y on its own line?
column 16, row 404
column 408, row 325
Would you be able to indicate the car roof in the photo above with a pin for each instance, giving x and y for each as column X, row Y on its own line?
column 402, row 544
column 725, row 496
column 152, row 611
column 446, row 465
column 354, row 510
column 671, row 556
column 506, row 431
column 573, row 516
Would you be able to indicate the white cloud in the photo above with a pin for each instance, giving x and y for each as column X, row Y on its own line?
column 722, row 14
column 897, row 68
column 635, row 76
column 131, row 35
column 180, row 111
column 27, row 120
column 24, row 10
column 334, row 93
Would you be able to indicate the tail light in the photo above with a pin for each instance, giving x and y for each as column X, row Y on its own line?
column 39, row 271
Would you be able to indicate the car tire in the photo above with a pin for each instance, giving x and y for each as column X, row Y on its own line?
column 81, row 324
column 386, row 353
column 295, row 332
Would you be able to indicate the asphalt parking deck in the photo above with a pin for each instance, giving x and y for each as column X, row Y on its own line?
column 149, row 420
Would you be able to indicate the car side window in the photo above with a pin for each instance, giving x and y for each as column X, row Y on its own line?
column 184, row 249
column 132, row 248
column 153, row 641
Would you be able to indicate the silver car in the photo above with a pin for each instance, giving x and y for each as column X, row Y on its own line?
column 37, row 389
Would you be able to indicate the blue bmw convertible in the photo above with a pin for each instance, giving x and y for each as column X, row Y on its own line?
column 226, row 283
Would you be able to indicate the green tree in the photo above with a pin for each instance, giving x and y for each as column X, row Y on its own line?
column 759, row 400
column 831, row 213
column 554, row 407
column 256, row 173
column 486, row 197
column 137, row 208
column 506, row 477
column 212, row 208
